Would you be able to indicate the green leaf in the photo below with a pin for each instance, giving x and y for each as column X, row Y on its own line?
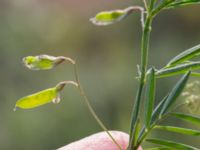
column 158, row 148
column 175, row 92
column 162, row 6
column 42, row 62
column 158, row 109
column 171, row 144
column 38, row 99
column 150, row 98
column 183, row 3
column 179, row 130
column 155, row 115
column 186, row 117
column 178, row 69
column 110, row 17
column 136, row 132
column 185, row 55
column 195, row 74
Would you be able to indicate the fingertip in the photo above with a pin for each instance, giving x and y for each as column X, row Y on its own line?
column 99, row 141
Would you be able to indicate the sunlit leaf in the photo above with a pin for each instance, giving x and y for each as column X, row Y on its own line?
column 171, row 144
column 150, row 97
column 183, row 3
column 188, row 118
column 185, row 55
column 110, row 17
column 178, row 69
column 42, row 62
column 175, row 92
column 179, row 130
column 38, row 99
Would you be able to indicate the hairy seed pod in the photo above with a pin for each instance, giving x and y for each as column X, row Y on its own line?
column 42, row 62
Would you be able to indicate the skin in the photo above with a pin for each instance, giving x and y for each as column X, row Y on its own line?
column 99, row 141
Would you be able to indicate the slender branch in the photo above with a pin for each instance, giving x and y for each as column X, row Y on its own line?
column 62, row 84
column 151, row 4
column 137, row 8
column 148, row 131
column 77, row 83
column 160, row 7
column 144, row 60
column 86, row 100
column 145, row 5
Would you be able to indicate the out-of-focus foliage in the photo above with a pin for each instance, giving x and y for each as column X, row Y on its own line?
column 105, row 56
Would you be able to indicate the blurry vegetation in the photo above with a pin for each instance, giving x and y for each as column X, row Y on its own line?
column 105, row 58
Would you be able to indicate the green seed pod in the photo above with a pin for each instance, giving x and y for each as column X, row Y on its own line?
column 42, row 62
column 110, row 17
column 39, row 98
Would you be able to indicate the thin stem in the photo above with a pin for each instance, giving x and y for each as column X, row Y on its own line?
column 137, row 8
column 144, row 60
column 61, row 85
column 151, row 5
column 160, row 7
column 150, row 129
column 145, row 4
column 86, row 100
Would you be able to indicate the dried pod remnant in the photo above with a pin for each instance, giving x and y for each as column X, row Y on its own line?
column 44, row 62
column 39, row 98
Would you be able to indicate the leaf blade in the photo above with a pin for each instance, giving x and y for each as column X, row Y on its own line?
column 179, row 130
column 188, row 118
column 171, row 144
column 155, row 115
column 158, row 148
column 185, row 55
column 183, row 3
column 178, row 69
column 175, row 92
column 158, row 109
column 150, row 98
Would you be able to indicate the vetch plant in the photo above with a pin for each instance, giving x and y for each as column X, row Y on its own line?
column 140, row 129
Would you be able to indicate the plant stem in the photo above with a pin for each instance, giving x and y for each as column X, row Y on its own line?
column 146, row 133
column 163, row 5
column 145, row 4
column 144, row 60
column 86, row 100
column 151, row 4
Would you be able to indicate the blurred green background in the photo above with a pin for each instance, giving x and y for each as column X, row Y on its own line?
column 106, row 56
